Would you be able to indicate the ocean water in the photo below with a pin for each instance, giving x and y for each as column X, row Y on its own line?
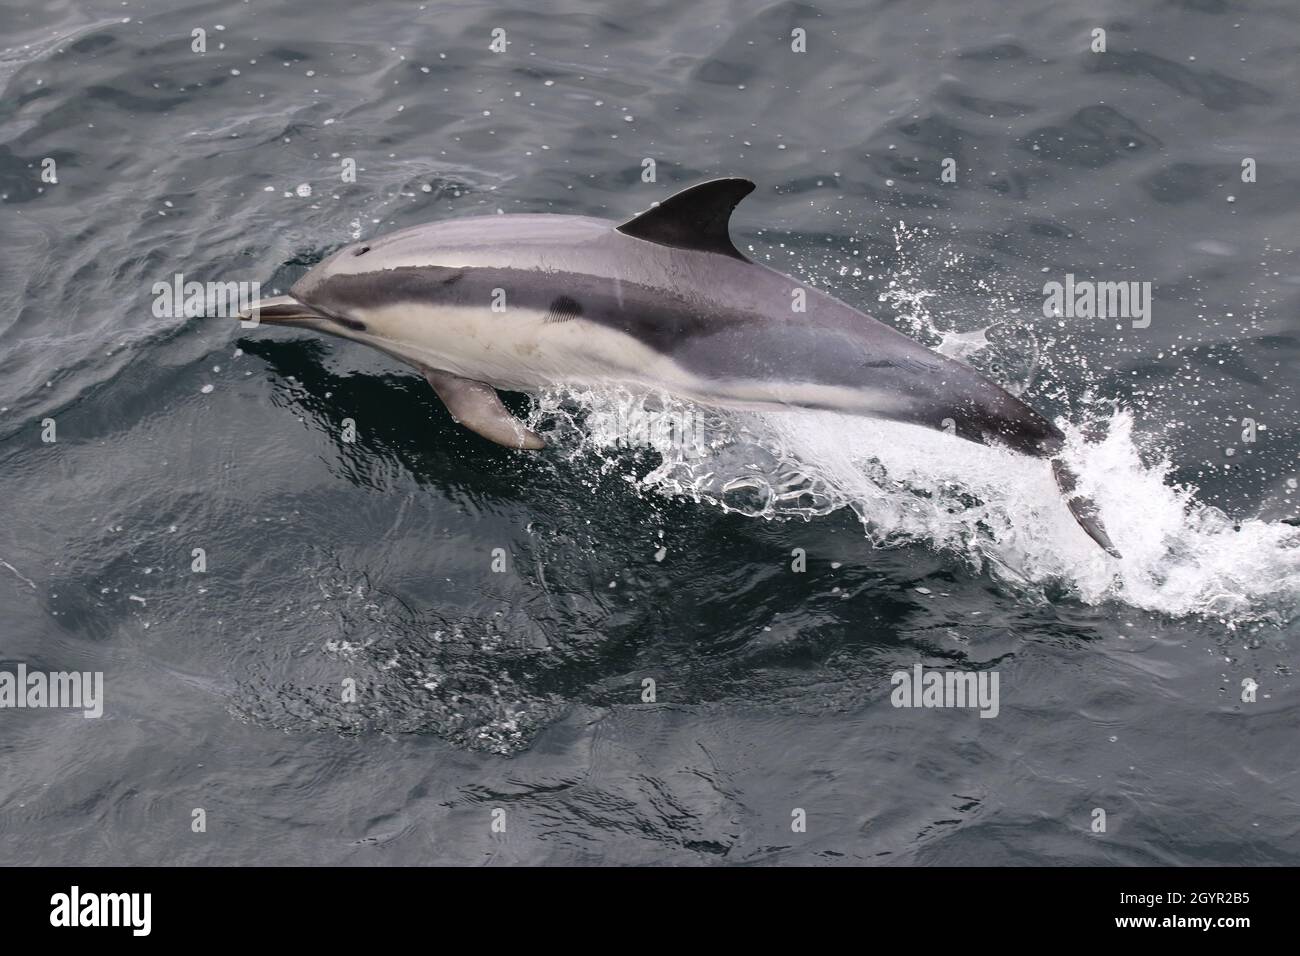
column 415, row 647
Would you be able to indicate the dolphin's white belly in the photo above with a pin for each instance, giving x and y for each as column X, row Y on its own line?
column 520, row 350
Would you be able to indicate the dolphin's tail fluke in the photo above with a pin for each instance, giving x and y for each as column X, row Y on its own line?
column 1016, row 426
column 1084, row 509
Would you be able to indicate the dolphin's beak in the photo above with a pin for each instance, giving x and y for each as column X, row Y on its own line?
column 278, row 310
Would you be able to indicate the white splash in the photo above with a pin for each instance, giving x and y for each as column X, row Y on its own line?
column 991, row 509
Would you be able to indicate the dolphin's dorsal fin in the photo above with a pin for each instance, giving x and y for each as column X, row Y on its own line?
column 695, row 218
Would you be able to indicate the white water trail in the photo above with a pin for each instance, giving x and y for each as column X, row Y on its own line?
column 991, row 509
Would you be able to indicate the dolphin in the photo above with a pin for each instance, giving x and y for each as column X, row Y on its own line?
column 662, row 301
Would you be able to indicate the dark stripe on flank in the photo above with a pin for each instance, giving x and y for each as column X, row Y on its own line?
column 659, row 318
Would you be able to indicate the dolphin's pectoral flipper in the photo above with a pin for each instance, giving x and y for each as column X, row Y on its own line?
column 478, row 408
column 1085, row 510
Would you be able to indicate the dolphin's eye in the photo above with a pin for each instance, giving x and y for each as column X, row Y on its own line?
column 362, row 251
